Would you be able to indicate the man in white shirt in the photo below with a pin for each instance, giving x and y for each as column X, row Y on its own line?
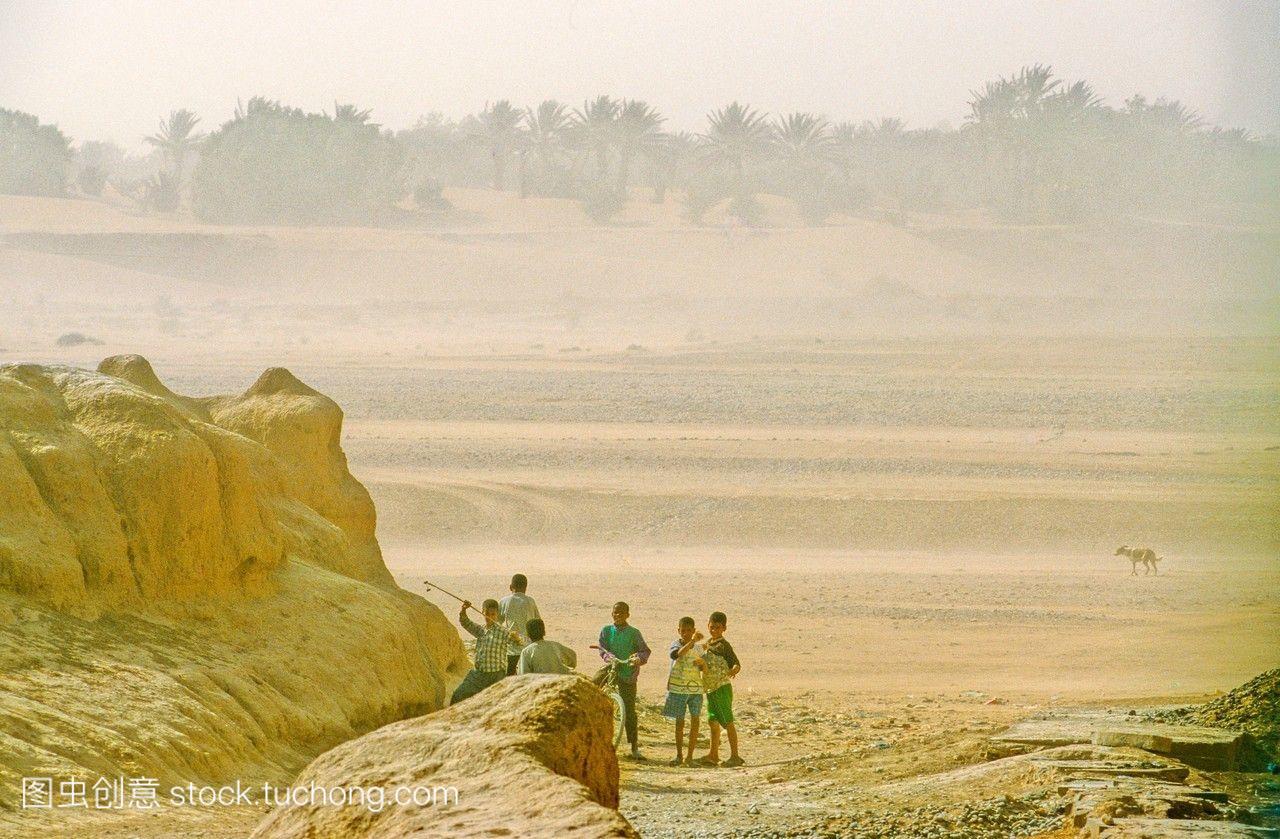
column 516, row 610
column 543, row 656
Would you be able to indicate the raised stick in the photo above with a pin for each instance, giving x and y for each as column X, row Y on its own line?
column 433, row 587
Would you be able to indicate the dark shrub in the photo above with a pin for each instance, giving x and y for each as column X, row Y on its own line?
column 91, row 180
column 75, row 339
column 163, row 193
column 274, row 164
column 429, row 195
column 601, row 203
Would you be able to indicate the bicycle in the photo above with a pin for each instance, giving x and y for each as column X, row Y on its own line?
column 607, row 680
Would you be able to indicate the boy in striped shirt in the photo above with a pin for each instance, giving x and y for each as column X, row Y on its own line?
column 684, row 688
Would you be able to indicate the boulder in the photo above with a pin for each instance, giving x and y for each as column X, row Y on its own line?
column 190, row 588
column 531, row 756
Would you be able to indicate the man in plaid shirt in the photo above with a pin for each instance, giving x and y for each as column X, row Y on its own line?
column 491, row 651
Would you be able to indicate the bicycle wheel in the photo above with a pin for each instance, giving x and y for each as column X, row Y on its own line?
column 619, row 727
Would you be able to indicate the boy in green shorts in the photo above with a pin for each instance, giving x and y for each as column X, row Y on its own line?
column 721, row 667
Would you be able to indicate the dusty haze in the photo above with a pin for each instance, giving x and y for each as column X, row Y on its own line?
column 879, row 329
column 106, row 70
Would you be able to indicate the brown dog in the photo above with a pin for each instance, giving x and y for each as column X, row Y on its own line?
column 1144, row 556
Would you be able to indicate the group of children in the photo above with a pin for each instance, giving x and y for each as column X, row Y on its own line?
column 700, row 667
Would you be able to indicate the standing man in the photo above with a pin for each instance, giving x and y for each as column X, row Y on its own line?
column 622, row 641
column 516, row 610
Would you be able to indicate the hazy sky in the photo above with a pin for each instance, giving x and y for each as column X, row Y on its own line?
column 112, row 69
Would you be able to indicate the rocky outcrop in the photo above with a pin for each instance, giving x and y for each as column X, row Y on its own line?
column 531, row 756
column 1211, row 749
column 1126, row 776
column 190, row 589
column 1254, row 707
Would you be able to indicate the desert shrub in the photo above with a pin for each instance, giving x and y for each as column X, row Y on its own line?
column 601, row 203
column 33, row 157
column 429, row 195
column 816, row 206
column 275, row 164
column 75, row 339
column 98, row 162
column 91, row 180
column 816, row 195
column 747, row 209
column 703, row 191
column 446, row 151
column 162, row 193
column 103, row 155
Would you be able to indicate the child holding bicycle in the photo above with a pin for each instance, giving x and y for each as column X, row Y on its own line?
column 622, row 641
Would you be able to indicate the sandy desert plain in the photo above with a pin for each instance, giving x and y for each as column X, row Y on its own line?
column 904, row 479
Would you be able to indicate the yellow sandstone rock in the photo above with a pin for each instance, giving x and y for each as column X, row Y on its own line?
column 190, row 589
column 532, row 756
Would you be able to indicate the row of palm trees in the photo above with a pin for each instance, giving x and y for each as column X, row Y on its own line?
column 609, row 133
column 606, row 137
column 1032, row 148
column 568, row 152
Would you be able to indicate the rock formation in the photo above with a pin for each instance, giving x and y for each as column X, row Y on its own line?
column 1253, row 707
column 533, row 757
column 190, row 588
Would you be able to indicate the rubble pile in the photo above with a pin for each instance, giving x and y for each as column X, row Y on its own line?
column 1253, row 707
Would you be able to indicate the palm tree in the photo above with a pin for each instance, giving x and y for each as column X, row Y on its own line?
column 870, row 158
column 805, row 147
column 1164, row 116
column 176, row 138
column 500, row 130
column 846, row 144
column 669, row 159
column 1076, row 101
column 1018, row 97
column 1035, row 138
column 637, row 128
column 736, row 134
column 594, row 127
column 261, row 105
column 887, row 129
column 1167, row 152
column 803, row 139
column 545, row 130
column 350, row 113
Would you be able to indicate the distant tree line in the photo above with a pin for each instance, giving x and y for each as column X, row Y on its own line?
column 1032, row 149
column 34, row 158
